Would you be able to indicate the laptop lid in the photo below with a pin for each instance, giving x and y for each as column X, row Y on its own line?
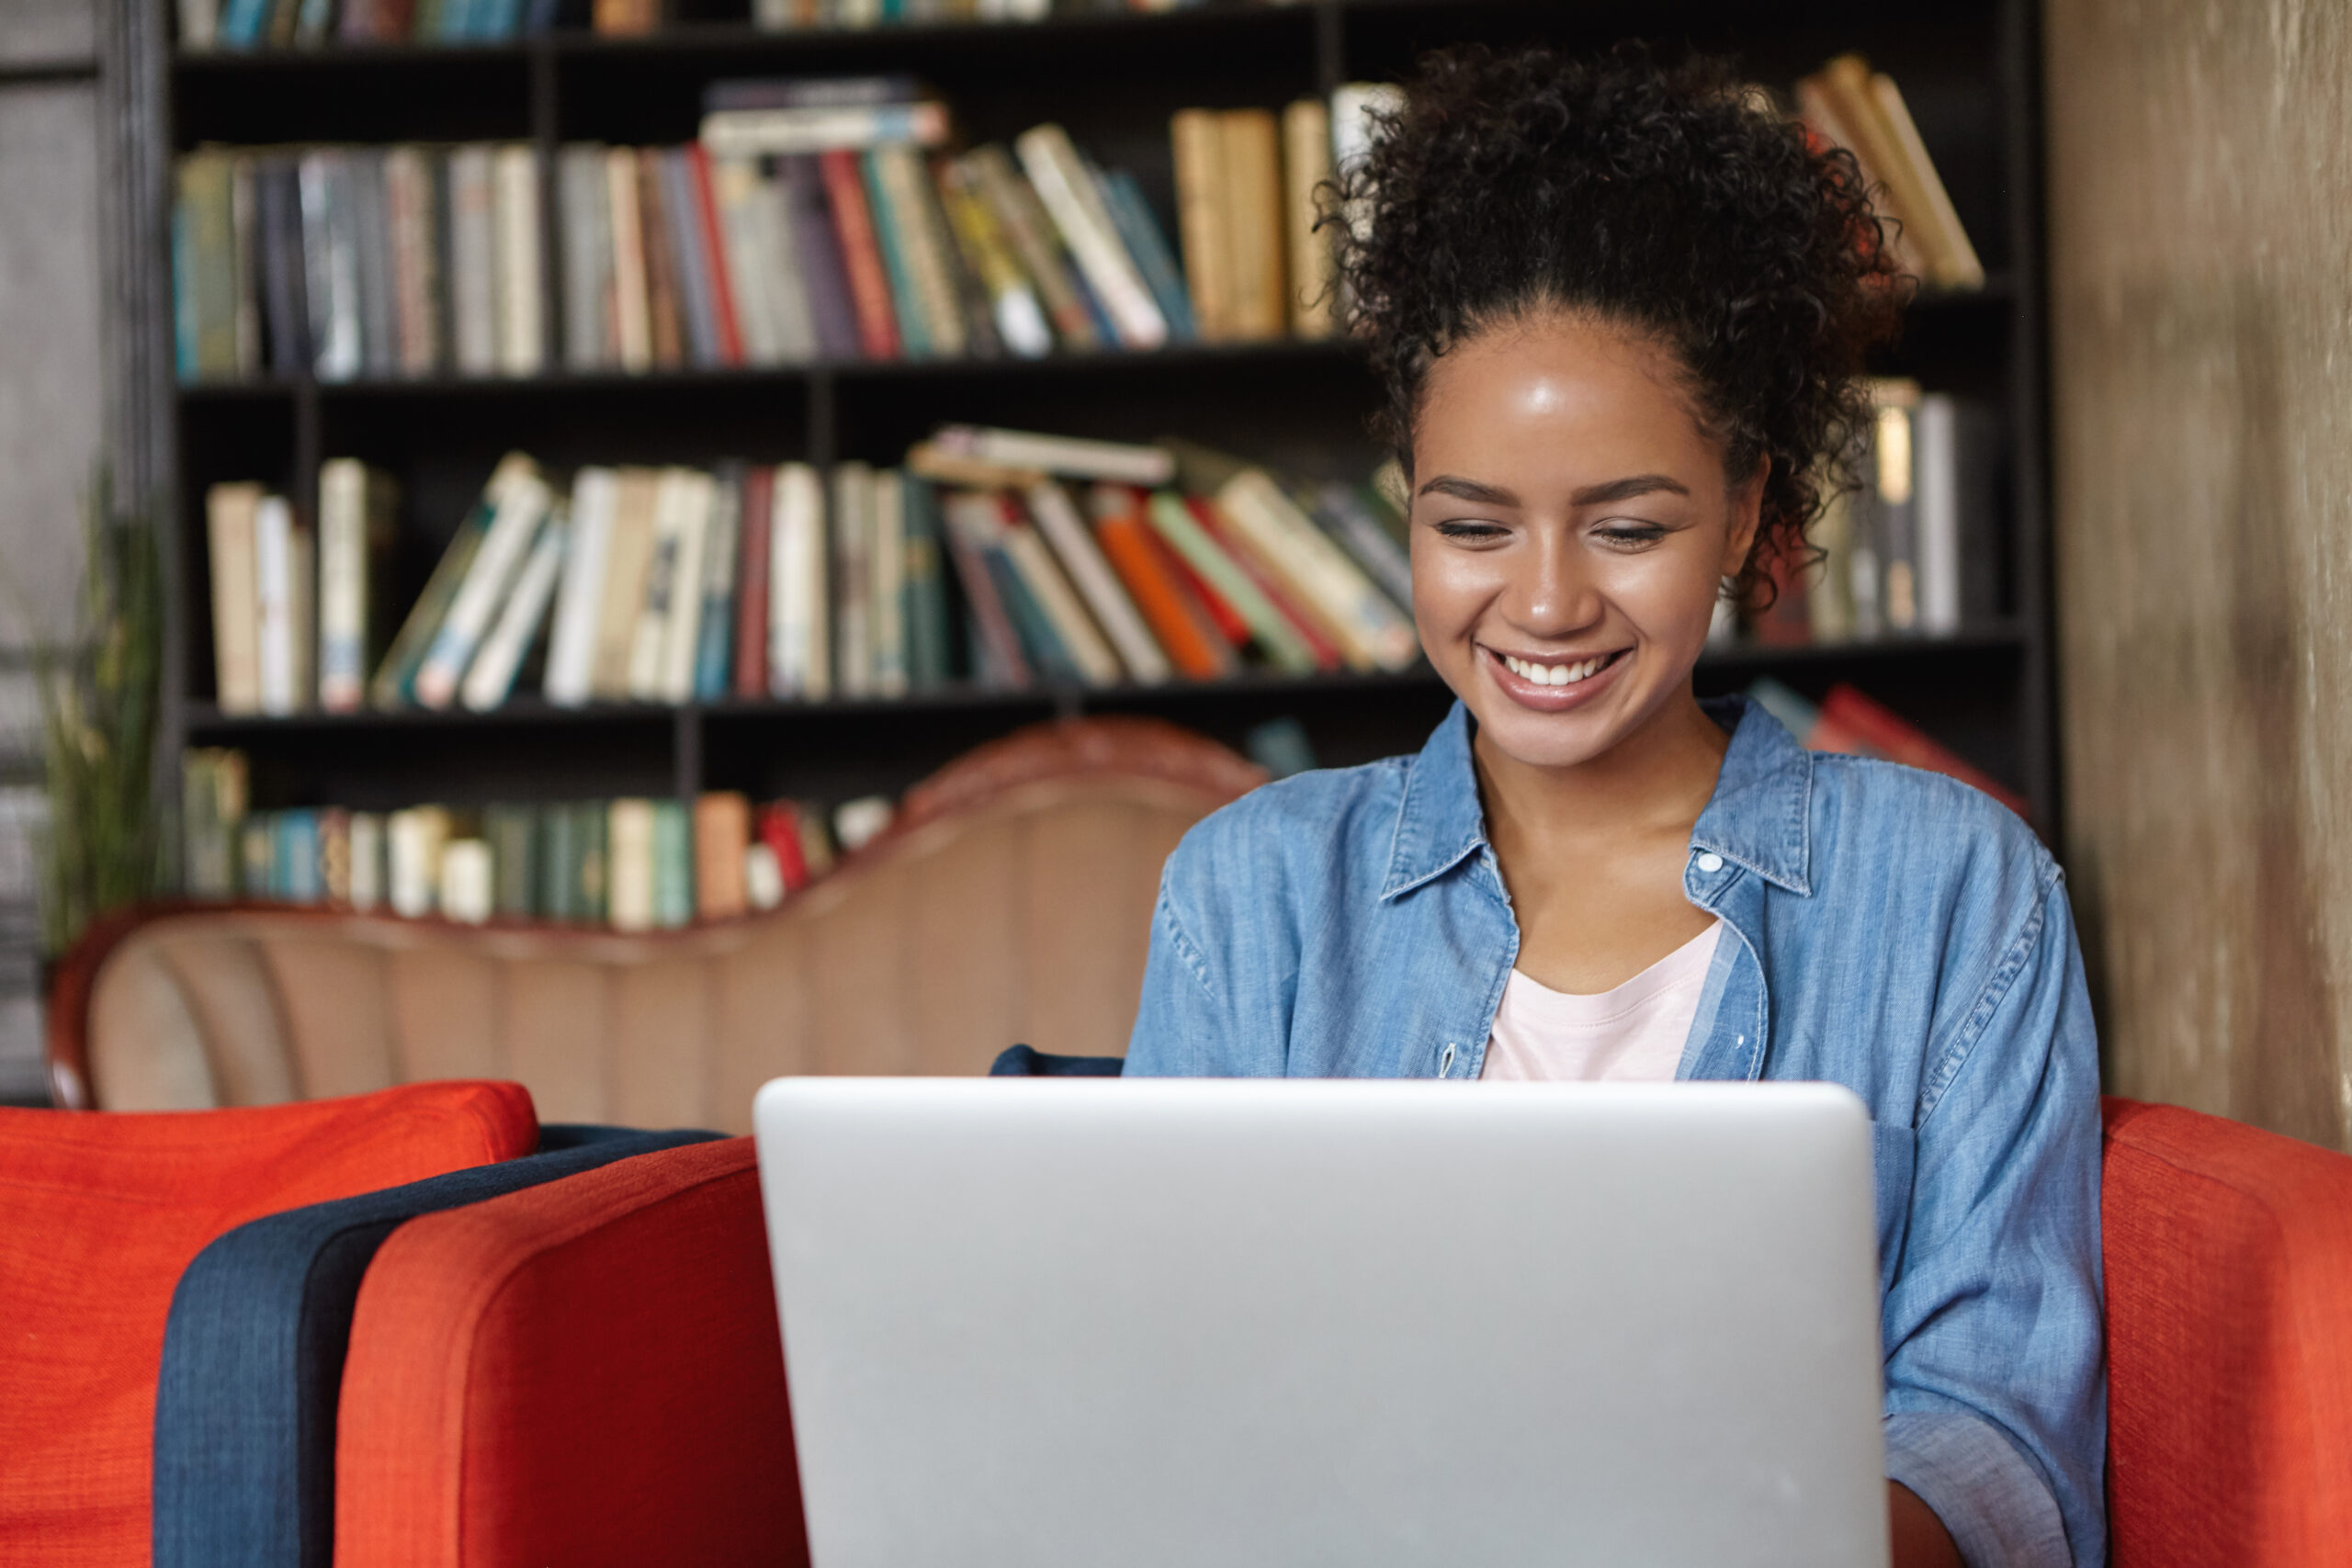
column 1061, row 1322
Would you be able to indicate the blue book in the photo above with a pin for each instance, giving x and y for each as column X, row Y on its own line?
column 682, row 219
column 294, row 859
column 242, row 26
column 497, row 20
column 1038, row 638
column 674, row 865
column 924, row 597
column 185, row 328
column 1139, row 231
column 906, row 297
column 714, row 634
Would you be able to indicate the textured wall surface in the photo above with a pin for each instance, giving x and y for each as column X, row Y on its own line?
column 2201, row 161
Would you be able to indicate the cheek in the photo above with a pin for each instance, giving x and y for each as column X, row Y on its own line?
column 1451, row 586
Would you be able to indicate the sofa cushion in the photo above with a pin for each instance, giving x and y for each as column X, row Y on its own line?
column 99, row 1214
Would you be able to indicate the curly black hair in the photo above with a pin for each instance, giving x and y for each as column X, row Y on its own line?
column 1672, row 200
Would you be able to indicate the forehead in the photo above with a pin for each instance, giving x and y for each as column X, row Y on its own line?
column 1558, row 400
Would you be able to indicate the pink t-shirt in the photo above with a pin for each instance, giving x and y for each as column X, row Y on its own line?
column 1632, row 1035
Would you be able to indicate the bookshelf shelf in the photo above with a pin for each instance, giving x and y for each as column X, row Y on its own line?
column 1968, row 68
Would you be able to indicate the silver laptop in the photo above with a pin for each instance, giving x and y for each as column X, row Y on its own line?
column 1105, row 1324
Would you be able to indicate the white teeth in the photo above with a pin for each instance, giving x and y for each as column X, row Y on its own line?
column 1554, row 674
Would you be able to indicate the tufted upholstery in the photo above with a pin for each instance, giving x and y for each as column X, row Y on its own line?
column 1012, row 902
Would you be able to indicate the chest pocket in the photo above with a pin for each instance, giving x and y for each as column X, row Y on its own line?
column 1893, row 1152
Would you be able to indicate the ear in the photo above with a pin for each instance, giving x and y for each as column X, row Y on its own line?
column 1746, row 502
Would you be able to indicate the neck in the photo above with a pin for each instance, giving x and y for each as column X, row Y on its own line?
column 1656, row 781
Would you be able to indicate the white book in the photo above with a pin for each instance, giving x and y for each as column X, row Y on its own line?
column 818, row 128
column 690, row 492
column 1114, row 462
column 414, row 840
column 491, row 676
column 628, row 865
column 330, row 266
column 1371, row 631
column 282, row 595
column 571, row 643
column 853, row 518
column 199, row 21
column 799, row 636
column 1097, row 665
column 367, row 860
column 1057, row 517
column 673, row 583
column 886, row 578
column 735, row 191
column 632, row 308
column 520, row 499
column 1076, row 207
column 410, row 215
column 473, row 260
column 229, row 513
column 343, row 584
column 522, row 340
column 466, row 883
column 1936, row 459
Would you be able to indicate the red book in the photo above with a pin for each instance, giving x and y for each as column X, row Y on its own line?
column 1328, row 658
column 1222, row 616
column 779, row 830
column 869, row 286
column 752, row 584
column 1852, row 722
column 714, row 249
column 1193, row 645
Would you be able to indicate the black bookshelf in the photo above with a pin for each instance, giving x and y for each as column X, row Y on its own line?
column 1967, row 69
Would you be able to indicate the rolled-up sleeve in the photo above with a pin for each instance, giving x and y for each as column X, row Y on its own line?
column 1996, row 1367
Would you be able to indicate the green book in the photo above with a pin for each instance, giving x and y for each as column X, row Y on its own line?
column 1174, row 523
column 395, row 685
column 889, row 237
column 674, row 865
column 513, row 832
column 925, row 591
column 559, row 863
column 592, row 831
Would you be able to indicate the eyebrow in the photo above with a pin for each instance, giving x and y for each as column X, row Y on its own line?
column 1591, row 495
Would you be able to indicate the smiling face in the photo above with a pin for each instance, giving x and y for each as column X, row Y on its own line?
column 1571, row 524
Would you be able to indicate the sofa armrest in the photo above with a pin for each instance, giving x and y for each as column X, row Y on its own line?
column 590, row 1370
column 254, row 1353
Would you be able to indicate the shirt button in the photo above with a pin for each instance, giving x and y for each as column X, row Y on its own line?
column 1711, row 863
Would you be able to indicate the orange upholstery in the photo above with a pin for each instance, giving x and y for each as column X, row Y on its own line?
column 586, row 1371
column 99, row 1214
column 2228, row 1321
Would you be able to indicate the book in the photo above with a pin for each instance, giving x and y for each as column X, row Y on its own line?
column 213, row 791
column 886, row 583
column 674, row 865
column 229, row 515
column 1113, row 611
column 1957, row 489
column 1030, row 232
column 1139, row 230
column 823, row 128
column 355, row 536
column 204, row 267
column 664, row 301
column 632, row 309
column 283, row 589
column 1049, row 589
column 1313, row 272
column 997, row 660
column 715, row 633
column 519, row 499
column 1192, row 646
column 1850, row 722
column 925, row 612
column 1345, row 514
column 522, row 322
column 571, row 639
column 513, row 835
column 1112, row 461
column 1889, row 522
column 492, row 674
column 629, row 563
column 1254, row 227
column 917, row 251
column 473, row 260
column 660, row 660
column 824, row 270
column 800, row 633
column 412, row 214
column 583, row 210
column 843, row 179
column 1270, row 629
column 414, row 840
column 722, row 832
column 852, row 591
column 699, row 212
column 628, row 867
column 987, row 254
column 1070, row 198
column 1956, row 262
column 914, row 323
column 1304, row 621
column 371, row 884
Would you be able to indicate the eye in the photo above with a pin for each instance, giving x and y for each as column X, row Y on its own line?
column 1630, row 533
column 1469, row 530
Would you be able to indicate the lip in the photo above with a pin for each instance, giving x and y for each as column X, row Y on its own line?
column 1551, row 699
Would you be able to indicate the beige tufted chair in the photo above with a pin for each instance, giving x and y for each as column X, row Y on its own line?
column 1010, row 902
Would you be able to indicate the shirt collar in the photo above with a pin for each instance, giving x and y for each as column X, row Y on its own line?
column 1759, row 816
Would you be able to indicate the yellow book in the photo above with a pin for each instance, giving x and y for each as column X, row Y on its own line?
column 1253, row 204
column 1306, row 164
column 1199, row 143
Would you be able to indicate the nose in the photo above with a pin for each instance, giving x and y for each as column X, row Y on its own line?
column 1553, row 593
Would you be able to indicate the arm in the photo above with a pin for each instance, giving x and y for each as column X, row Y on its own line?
column 1184, row 1026
column 1995, row 1377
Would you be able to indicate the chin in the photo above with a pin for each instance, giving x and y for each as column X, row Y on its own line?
column 1544, row 741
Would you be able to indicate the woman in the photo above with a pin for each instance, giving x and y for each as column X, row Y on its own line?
column 1618, row 311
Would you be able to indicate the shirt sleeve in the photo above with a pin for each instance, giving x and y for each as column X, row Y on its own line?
column 1188, row 1024
column 1995, row 1368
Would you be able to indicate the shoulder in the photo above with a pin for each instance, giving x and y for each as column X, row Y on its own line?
column 1313, row 827
column 1883, row 818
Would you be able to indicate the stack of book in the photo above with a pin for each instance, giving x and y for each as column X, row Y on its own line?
column 1915, row 550
column 631, row 865
column 311, row 24
column 1846, row 104
column 1001, row 557
column 342, row 262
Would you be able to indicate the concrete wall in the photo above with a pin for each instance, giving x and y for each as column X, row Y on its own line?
column 2201, row 161
column 51, row 429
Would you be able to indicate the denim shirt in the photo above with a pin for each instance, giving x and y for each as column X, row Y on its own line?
column 1885, row 929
